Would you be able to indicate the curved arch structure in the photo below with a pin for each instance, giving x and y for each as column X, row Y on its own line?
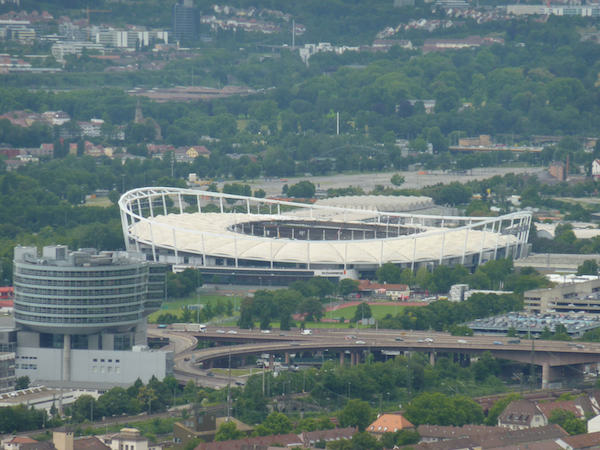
column 230, row 234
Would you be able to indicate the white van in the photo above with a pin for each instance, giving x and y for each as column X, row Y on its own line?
column 306, row 331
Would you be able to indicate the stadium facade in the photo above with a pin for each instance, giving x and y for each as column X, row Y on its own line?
column 267, row 241
column 81, row 316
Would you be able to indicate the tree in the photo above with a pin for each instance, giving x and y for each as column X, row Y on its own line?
column 356, row 413
column 302, row 189
column 22, row 383
column 589, row 267
column 397, row 179
column 389, row 273
column 363, row 311
column 228, row 432
column 347, row 286
column 275, row 423
column 568, row 421
column 435, row 408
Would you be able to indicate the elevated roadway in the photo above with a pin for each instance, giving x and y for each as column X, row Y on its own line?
column 353, row 343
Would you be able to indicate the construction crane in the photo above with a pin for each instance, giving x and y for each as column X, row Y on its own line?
column 87, row 15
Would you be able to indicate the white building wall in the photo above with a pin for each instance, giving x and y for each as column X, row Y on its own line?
column 118, row 367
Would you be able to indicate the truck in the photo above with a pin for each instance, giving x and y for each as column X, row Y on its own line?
column 194, row 327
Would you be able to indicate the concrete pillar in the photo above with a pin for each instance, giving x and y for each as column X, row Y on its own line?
column 271, row 361
column 287, row 357
column 432, row 358
column 356, row 358
column 242, row 361
column 545, row 375
column 67, row 357
column 342, row 358
column 209, row 364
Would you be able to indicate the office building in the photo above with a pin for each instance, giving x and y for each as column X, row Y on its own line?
column 81, row 317
column 186, row 21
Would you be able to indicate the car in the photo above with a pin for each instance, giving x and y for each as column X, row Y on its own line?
column 399, row 339
column 210, row 374
column 360, row 342
column 461, row 341
column 498, row 343
column 514, row 341
column 187, row 358
column 265, row 331
column 421, row 340
column 294, row 343
column 220, row 331
column 232, row 332
column 428, row 339
column 579, row 346
column 282, row 334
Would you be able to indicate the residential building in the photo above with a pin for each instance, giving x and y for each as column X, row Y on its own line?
column 389, row 423
column 585, row 441
column 392, row 291
column 186, row 20
column 596, row 168
column 93, row 128
column 520, row 414
column 61, row 49
column 558, row 170
column 82, row 317
column 56, row 117
column 203, row 424
column 129, row 439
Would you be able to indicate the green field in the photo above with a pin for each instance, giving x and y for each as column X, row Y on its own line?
column 378, row 311
column 175, row 306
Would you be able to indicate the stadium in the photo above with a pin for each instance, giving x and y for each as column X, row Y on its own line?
column 239, row 239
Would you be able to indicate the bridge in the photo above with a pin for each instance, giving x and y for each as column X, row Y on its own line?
column 191, row 363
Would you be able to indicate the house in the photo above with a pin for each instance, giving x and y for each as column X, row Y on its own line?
column 580, row 407
column 520, row 414
column 255, row 443
column 480, row 436
column 596, row 168
column 310, row 438
column 17, row 442
column 128, row 439
column 558, row 170
column 392, row 291
column 580, row 441
column 203, row 424
column 63, row 439
column 389, row 423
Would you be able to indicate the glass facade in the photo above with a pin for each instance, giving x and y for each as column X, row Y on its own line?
column 78, row 296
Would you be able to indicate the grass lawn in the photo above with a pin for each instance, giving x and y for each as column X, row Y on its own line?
column 98, row 201
column 379, row 311
column 175, row 306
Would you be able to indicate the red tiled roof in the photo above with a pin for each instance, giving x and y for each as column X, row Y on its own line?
column 389, row 423
column 581, row 441
column 366, row 285
column 22, row 440
column 569, row 405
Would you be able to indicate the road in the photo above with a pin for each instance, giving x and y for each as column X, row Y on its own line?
column 368, row 181
column 354, row 341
